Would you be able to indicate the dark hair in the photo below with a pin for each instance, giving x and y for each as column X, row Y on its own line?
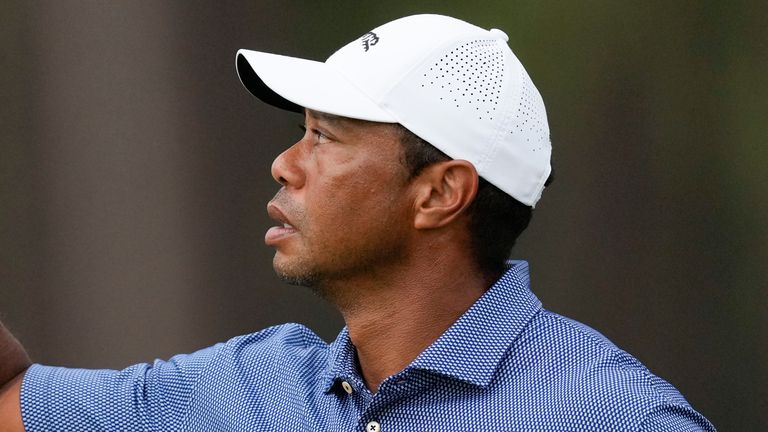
column 496, row 219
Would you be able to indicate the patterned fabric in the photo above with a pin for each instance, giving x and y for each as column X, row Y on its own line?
column 506, row 364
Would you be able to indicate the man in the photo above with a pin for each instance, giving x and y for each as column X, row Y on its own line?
column 425, row 148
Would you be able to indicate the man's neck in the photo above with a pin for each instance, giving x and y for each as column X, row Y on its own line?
column 391, row 325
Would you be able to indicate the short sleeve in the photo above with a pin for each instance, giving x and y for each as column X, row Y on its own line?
column 676, row 418
column 143, row 397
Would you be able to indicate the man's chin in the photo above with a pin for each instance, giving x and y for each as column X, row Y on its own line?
column 294, row 275
column 298, row 280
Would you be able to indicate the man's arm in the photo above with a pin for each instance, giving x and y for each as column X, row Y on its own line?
column 13, row 362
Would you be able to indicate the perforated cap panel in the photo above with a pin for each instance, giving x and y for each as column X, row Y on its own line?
column 530, row 118
column 470, row 77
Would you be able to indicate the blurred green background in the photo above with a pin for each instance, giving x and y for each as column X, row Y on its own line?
column 135, row 170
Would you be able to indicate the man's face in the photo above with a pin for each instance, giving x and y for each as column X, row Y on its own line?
column 343, row 209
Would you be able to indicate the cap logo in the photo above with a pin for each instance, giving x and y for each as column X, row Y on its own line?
column 370, row 39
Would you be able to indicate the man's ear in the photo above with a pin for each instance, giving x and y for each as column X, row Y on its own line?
column 445, row 190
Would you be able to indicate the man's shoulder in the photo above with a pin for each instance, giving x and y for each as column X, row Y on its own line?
column 289, row 354
column 555, row 336
column 277, row 350
column 281, row 340
column 583, row 355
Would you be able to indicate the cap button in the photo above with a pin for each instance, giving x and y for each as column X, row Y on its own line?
column 498, row 33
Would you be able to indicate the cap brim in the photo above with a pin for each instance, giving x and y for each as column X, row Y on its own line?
column 292, row 84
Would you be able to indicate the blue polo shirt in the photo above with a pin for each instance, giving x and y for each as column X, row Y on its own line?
column 506, row 364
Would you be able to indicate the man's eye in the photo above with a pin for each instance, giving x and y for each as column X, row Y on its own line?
column 319, row 136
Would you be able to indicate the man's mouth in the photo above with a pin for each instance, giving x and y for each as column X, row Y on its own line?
column 278, row 232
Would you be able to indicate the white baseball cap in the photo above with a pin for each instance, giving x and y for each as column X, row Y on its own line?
column 455, row 85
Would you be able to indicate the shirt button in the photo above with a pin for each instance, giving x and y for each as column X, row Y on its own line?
column 373, row 426
column 347, row 388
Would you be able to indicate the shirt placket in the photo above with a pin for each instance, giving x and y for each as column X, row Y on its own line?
column 375, row 414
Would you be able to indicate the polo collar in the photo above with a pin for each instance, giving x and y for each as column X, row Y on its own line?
column 341, row 361
column 472, row 348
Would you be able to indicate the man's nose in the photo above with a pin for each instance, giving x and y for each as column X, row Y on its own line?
column 286, row 168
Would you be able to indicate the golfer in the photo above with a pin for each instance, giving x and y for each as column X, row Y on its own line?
column 425, row 149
